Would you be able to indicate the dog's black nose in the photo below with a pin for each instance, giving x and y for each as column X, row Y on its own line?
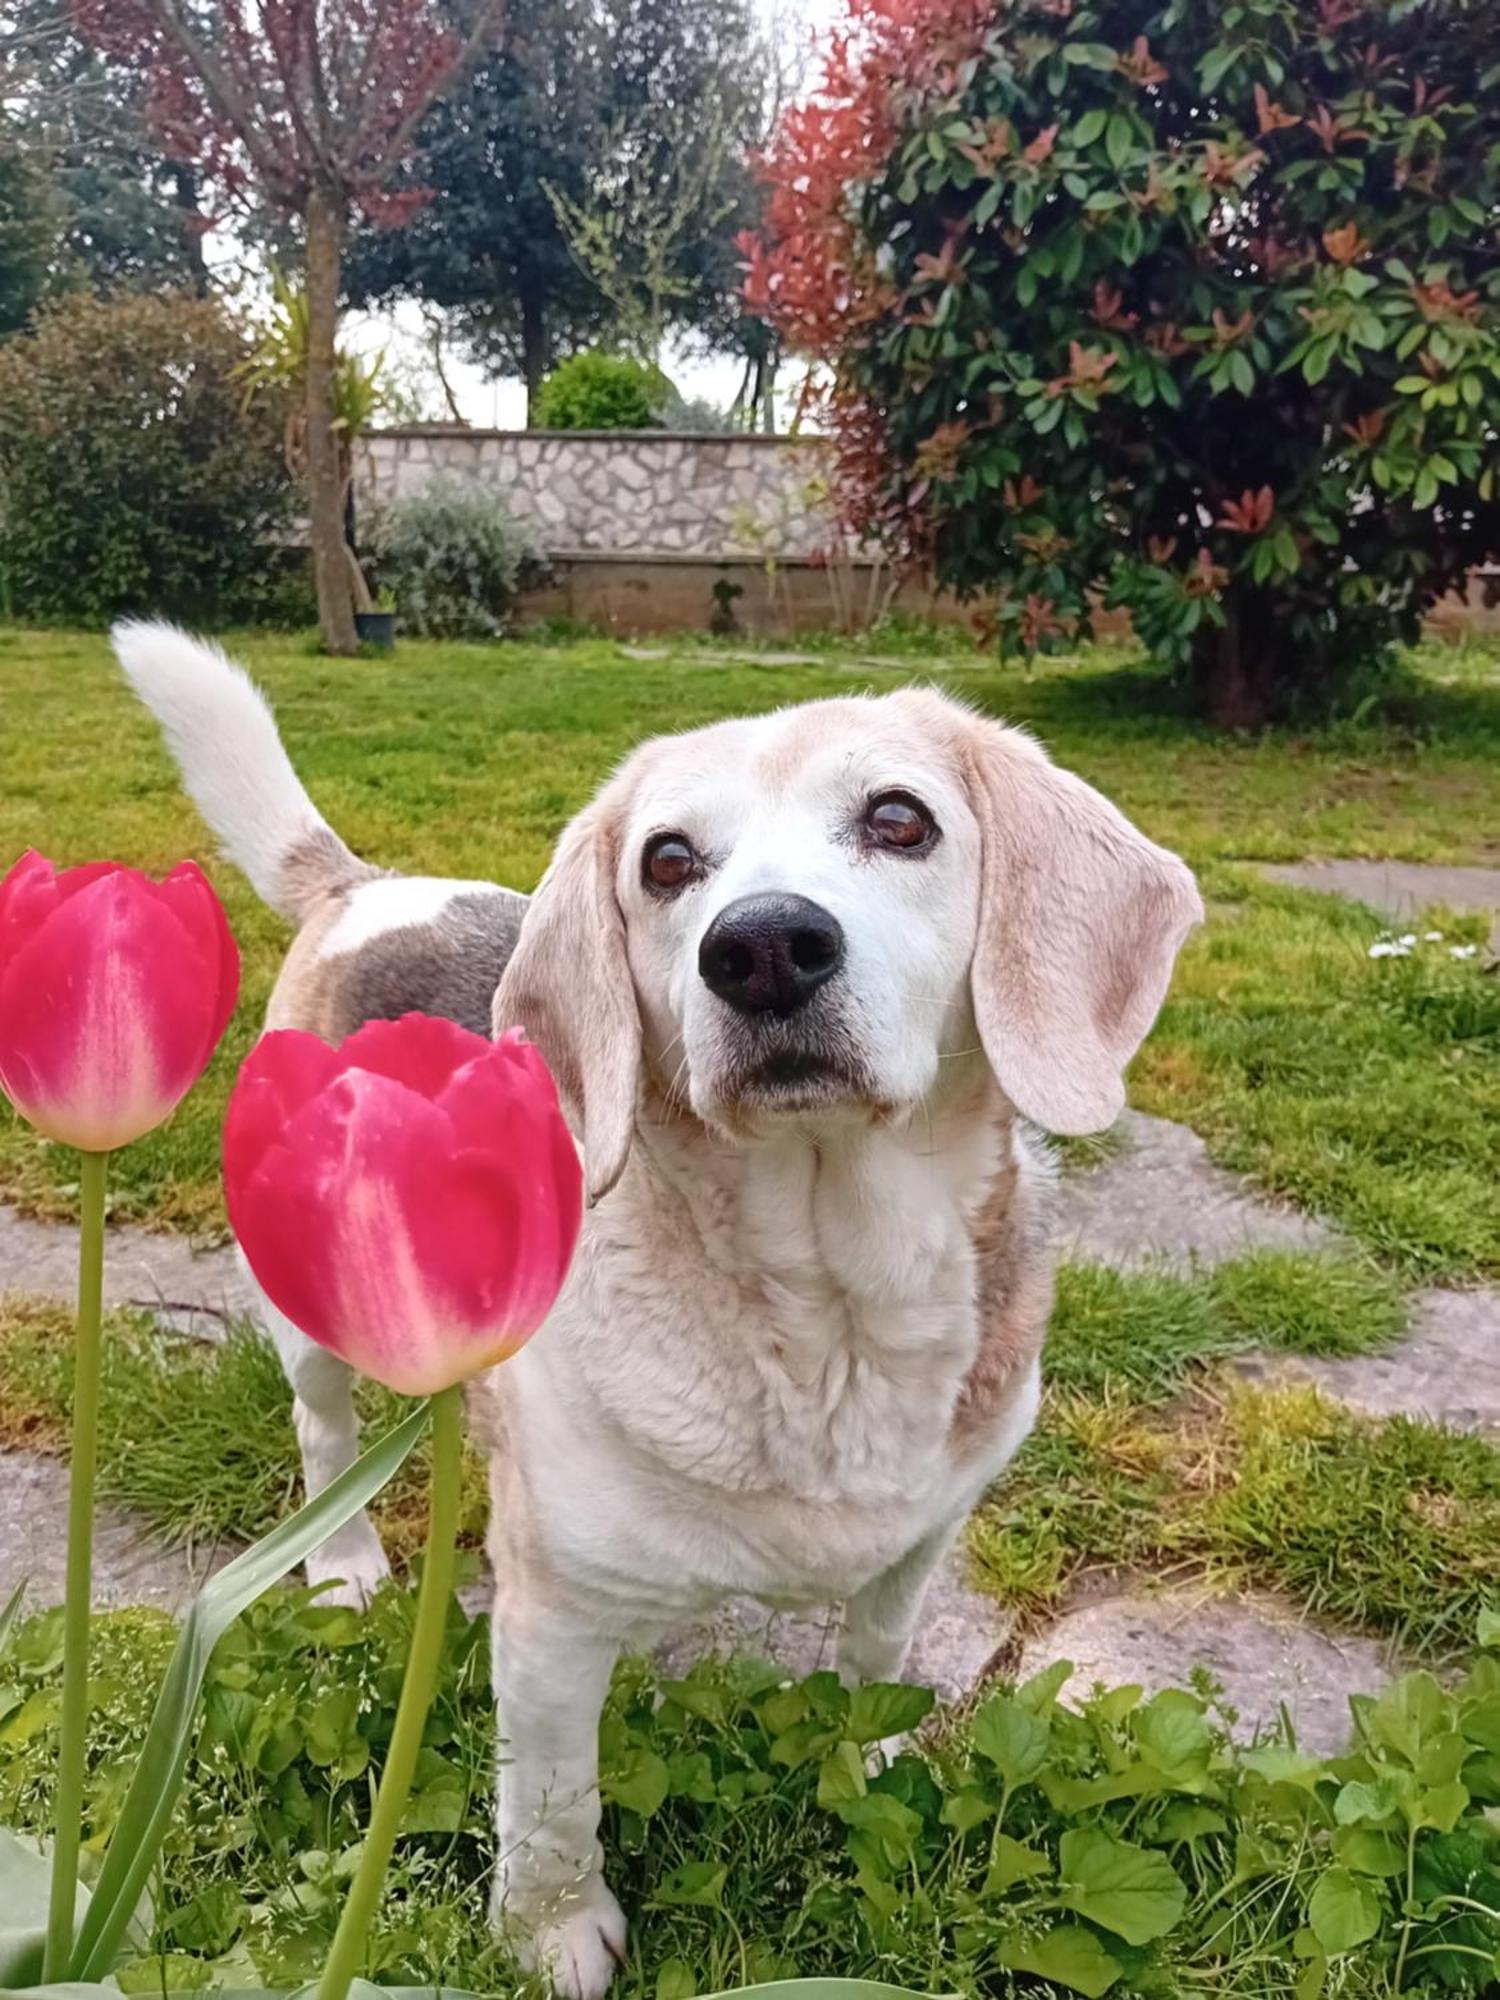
column 770, row 954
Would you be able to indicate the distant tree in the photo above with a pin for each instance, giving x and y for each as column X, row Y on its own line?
column 488, row 247
column 129, row 217
column 1190, row 304
column 307, row 109
column 580, row 99
column 31, row 222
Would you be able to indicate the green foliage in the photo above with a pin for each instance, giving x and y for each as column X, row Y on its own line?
column 1194, row 305
column 132, row 476
column 1123, row 1844
column 579, row 106
column 277, row 366
column 602, row 392
column 127, row 219
column 30, row 227
column 451, row 555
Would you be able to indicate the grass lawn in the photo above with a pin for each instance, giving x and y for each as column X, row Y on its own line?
column 1130, row 1847
column 1370, row 1090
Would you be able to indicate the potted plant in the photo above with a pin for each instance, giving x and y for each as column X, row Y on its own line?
column 377, row 626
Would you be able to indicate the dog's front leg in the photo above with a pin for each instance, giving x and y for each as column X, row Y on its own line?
column 552, row 1674
column 880, row 1619
column 351, row 1561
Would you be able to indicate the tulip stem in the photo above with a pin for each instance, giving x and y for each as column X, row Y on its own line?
column 78, row 1602
column 346, row 1955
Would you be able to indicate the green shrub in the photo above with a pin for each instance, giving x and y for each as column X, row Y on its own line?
column 452, row 555
column 602, row 392
column 134, row 476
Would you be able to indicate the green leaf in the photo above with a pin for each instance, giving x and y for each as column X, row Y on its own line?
column 640, row 1782
column 1359, row 1802
column 1368, row 1851
column 1013, row 1862
column 1173, row 1731
column 1089, row 127
column 148, row 1806
column 24, row 1883
column 841, row 1777
column 1343, row 1910
column 1040, row 1693
column 696, row 1885
column 1068, row 1955
column 967, row 1809
column 885, row 1708
column 1488, row 1632
column 675, row 1981
column 1011, row 1738
column 1412, row 1709
column 1119, row 139
column 1127, row 1889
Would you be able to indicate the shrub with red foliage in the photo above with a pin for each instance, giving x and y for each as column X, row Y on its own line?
column 1192, row 307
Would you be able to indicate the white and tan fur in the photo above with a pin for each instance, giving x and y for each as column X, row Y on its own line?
column 801, row 1335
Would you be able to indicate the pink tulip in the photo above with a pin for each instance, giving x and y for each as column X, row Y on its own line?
column 114, row 991
column 411, row 1199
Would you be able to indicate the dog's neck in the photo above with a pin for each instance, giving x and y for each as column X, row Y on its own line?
column 846, row 1264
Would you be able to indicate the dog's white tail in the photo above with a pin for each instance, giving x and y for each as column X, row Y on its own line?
column 224, row 738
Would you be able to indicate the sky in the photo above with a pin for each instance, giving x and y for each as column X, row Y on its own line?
column 399, row 332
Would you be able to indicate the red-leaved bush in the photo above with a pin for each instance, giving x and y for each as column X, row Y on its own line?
column 1196, row 308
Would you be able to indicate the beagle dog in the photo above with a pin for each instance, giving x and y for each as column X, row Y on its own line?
column 809, row 983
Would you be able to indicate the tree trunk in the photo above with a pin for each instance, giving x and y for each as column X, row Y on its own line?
column 1236, row 666
column 185, row 196
column 325, row 486
column 533, row 349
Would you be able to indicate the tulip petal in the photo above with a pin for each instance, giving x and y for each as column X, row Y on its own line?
column 410, row 1200
column 284, row 1071
column 188, row 891
column 420, row 1050
column 106, row 1012
column 367, row 1233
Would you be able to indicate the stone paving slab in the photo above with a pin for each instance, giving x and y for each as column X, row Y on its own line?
column 1446, row 1369
column 128, row 1567
column 1162, row 1200
column 193, row 1290
column 1396, row 888
column 1255, row 1648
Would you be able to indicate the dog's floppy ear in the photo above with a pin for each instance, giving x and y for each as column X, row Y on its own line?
column 1080, row 920
column 568, row 985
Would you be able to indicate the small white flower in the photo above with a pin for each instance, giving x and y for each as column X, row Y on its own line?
column 1432, row 937
column 1462, row 950
column 1390, row 948
column 1408, row 940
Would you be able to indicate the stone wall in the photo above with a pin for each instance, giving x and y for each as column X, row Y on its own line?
column 622, row 493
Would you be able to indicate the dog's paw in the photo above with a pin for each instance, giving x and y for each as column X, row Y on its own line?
column 578, row 1950
column 352, row 1580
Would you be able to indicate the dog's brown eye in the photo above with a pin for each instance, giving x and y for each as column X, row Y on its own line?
column 669, row 861
column 897, row 821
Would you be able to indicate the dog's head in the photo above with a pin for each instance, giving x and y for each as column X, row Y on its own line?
column 801, row 916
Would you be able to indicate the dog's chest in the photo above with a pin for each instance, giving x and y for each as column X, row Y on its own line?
column 798, row 1330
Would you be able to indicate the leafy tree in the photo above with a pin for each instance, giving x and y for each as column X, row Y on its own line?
column 128, row 217
column 1197, row 305
column 307, row 108
column 583, row 103
column 134, row 476
column 30, row 227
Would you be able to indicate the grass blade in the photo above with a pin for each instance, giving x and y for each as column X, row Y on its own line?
column 164, row 1752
